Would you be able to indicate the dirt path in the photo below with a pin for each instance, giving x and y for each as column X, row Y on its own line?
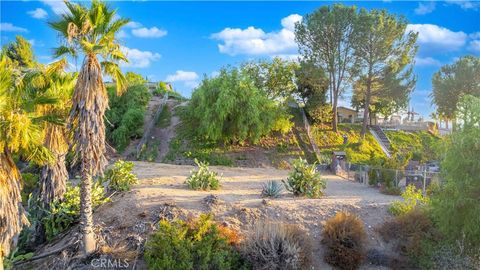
column 240, row 204
column 152, row 107
column 165, row 135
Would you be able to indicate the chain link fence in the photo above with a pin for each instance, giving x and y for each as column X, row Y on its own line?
column 421, row 177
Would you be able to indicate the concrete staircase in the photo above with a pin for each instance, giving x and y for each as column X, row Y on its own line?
column 381, row 138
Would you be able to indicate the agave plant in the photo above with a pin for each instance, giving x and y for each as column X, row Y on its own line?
column 272, row 189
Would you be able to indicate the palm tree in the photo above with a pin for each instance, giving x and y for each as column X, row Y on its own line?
column 90, row 31
column 51, row 80
column 20, row 133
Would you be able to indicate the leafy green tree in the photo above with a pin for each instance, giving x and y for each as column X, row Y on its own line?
column 312, row 82
column 276, row 77
column 453, row 81
column 90, row 31
column 385, row 53
column 134, row 78
column 20, row 52
column 455, row 207
column 230, row 108
column 21, row 133
column 326, row 37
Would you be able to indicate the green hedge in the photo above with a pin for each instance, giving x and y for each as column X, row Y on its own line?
column 126, row 114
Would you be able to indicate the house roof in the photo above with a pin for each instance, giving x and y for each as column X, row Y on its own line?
column 348, row 109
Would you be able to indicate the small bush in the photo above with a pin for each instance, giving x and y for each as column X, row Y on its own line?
column 203, row 178
column 30, row 182
column 448, row 257
column 409, row 231
column 277, row 246
column 412, row 198
column 126, row 113
column 304, row 180
column 120, row 176
column 271, row 189
column 65, row 213
column 344, row 238
column 194, row 245
column 165, row 118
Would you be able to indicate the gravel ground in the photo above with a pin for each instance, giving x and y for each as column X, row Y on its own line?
column 239, row 204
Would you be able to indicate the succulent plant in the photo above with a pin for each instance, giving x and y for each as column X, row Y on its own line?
column 272, row 189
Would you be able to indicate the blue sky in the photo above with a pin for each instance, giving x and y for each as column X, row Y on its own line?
column 183, row 41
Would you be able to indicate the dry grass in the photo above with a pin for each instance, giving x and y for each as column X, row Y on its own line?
column 277, row 246
column 344, row 237
column 407, row 231
column 232, row 236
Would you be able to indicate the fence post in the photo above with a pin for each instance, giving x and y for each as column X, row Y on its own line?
column 396, row 178
column 424, row 180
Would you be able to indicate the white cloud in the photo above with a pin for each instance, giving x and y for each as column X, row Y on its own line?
column 8, row 27
column 423, row 9
column 255, row 41
column 427, row 61
column 465, row 4
column 290, row 21
column 475, row 35
column 57, row 6
column 133, row 24
column 188, row 79
column 138, row 58
column 437, row 38
column 153, row 32
column 182, row 76
column 38, row 13
column 474, row 46
column 122, row 34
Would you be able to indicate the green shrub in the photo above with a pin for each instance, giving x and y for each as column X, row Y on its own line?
column 304, row 180
column 412, row 199
column 65, row 213
column 120, row 138
column 195, row 245
column 207, row 155
column 272, row 189
column 14, row 257
column 120, row 176
column 344, row 237
column 30, row 182
column 164, row 119
column 409, row 233
column 277, row 246
column 230, row 108
column 319, row 112
column 455, row 207
column 203, row 178
column 149, row 151
column 126, row 113
column 133, row 121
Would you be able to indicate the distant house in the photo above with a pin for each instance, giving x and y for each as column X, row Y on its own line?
column 346, row 115
column 153, row 85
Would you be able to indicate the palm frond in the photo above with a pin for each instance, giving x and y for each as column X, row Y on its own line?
column 114, row 71
column 64, row 50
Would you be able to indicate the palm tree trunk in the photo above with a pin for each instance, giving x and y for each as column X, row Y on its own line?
column 54, row 176
column 89, row 103
column 86, row 212
column 12, row 213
